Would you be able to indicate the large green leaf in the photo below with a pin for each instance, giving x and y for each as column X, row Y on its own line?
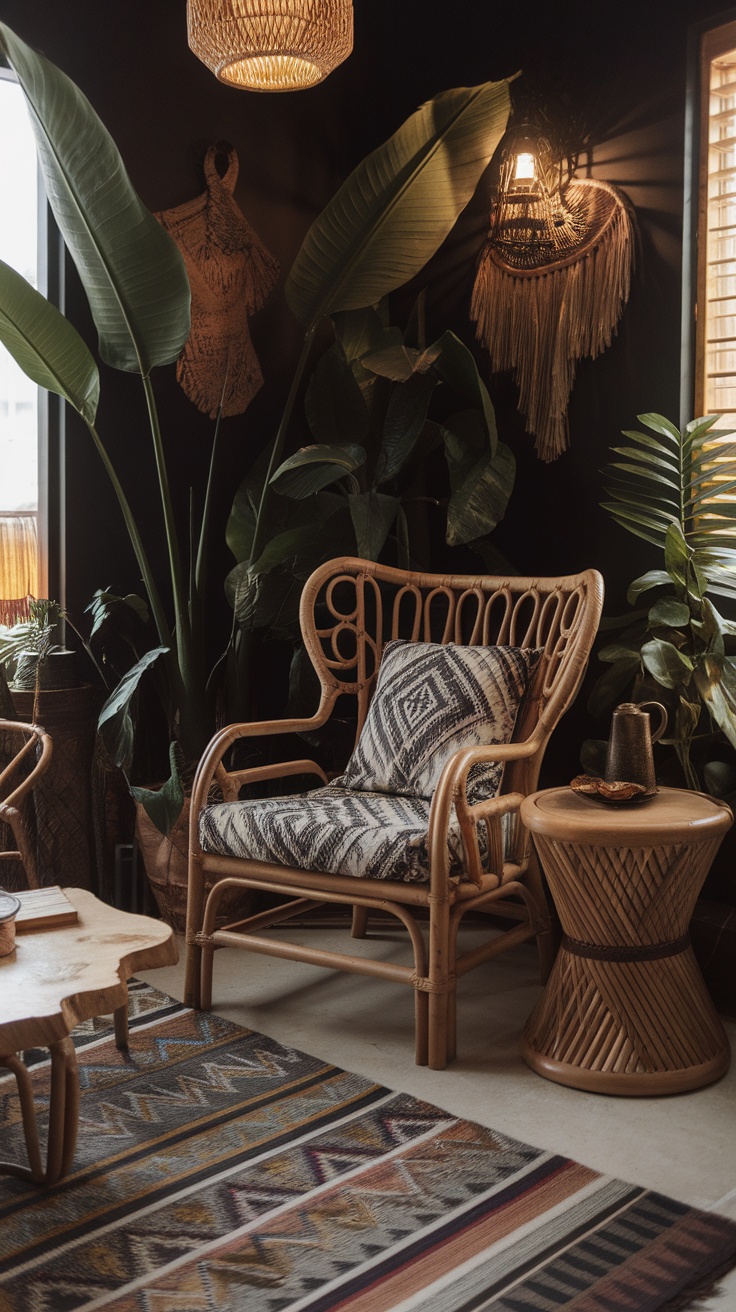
column 399, row 204
column 669, row 666
column 334, row 405
column 115, row 721
column 132, row 271
column 456, row 365
column 372, row 514
column 669, row 612
column 164, row 805
column 364, row 330
column 716, row 683
column 405, row 419
column 315, row 467
column 45, row 345
column 481, row 482
column 654, row 578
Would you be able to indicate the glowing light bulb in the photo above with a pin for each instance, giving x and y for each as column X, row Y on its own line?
column 525, row 169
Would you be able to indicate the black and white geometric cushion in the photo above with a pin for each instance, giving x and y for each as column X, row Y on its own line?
column 432, row 699
column 334, row 830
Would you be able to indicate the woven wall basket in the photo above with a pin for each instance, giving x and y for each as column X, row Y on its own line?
column 231, row 274
column 539, row 321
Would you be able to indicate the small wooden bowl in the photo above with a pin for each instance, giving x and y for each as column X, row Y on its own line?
column 616, row 793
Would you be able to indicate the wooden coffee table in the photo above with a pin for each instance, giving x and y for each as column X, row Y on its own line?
column 625, row 1009
column 55, row 979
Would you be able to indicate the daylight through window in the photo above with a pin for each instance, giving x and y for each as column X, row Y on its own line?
column 716, row 337
column 18, row 395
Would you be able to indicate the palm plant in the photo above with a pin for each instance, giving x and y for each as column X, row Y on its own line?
column 664, row 488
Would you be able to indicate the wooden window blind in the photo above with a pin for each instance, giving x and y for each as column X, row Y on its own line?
column 715, row 391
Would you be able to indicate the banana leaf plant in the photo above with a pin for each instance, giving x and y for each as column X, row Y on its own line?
column 356, row 251
column 369, row 408
column 680, row 647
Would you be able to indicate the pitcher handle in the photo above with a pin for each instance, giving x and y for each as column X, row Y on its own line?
column 663, row 718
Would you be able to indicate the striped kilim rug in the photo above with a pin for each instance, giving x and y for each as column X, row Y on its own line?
column 218, row 1171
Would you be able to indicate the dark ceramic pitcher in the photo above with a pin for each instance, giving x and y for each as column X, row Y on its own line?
column 629, row 756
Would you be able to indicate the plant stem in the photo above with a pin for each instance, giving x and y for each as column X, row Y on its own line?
column 187, row 669
column 199, row 571
column 183, row 632
column 157, row 610
column 278, row 445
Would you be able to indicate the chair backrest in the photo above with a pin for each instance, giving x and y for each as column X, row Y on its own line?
column 351, row 608
column 25, row 754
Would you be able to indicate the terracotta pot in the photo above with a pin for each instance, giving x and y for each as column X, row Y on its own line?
column 165, row 858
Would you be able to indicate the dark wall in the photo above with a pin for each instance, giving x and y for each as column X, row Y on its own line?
column 617, row 72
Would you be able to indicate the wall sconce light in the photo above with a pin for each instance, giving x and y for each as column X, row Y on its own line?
column 552, row 280
column 271, row 45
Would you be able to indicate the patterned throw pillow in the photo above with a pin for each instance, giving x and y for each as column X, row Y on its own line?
column 432, row 699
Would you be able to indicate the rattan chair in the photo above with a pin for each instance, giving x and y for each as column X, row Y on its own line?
column 350, row 608
column 20, row 742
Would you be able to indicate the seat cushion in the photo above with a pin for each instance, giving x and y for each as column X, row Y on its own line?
column 334, row 830
column 432, row 699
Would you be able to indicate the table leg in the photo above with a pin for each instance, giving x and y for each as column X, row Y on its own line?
column 63, row 1116
column 120, row 1020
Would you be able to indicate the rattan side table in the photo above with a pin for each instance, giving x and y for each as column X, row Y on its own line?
column 625, row 1009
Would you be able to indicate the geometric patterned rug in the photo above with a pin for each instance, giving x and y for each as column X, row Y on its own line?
column 218, row 1171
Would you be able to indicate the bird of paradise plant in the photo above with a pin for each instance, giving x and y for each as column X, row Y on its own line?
column 355, row 253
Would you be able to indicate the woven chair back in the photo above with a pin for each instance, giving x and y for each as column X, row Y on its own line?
column 351, row 608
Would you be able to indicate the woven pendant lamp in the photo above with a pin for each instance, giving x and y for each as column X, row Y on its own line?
column 271, row 45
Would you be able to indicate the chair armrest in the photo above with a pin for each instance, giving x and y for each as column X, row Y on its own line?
column 451, row 792
column 211, row 762
column 42, row 764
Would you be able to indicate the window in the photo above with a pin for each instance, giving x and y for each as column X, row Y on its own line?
column 19, row 398
column 715, row 326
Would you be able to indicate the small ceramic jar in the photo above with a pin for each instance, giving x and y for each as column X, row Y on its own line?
column 9, row 908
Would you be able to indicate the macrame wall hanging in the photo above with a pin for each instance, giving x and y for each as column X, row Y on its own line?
column 231, row 274
column 552, row 281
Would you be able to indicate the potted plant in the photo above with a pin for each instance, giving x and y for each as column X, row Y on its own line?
column 680, row 647
column 134, row 277
column 32, row 658
column 377, row 408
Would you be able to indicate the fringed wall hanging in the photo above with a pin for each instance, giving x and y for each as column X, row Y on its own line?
column 231, row 274
column 552, row 281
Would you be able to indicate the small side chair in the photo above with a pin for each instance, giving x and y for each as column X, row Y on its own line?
column 457, row 683
column 29, row 749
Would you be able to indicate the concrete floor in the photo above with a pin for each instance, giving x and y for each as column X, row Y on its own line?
column 683, row 1146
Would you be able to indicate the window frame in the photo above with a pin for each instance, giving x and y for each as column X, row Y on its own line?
column 703, row 45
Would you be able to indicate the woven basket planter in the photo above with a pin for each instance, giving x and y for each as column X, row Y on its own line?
column 165, row 862
column 165, row 859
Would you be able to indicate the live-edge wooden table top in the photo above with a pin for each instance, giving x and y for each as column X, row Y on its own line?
column 58, row 977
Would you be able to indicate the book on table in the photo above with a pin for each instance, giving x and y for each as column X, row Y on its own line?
column 44, row 908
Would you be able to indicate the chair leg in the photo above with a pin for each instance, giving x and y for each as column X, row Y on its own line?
column 360, row 922
column 439, row 952
column 195, row 911
column 207, row 955
column 452, row 995
column 421, row 1019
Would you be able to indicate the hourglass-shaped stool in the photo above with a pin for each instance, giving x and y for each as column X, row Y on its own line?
column 625, row 1009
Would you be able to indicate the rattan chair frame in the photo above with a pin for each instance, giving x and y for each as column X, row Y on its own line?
column 559, row 615
column 14, row 791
